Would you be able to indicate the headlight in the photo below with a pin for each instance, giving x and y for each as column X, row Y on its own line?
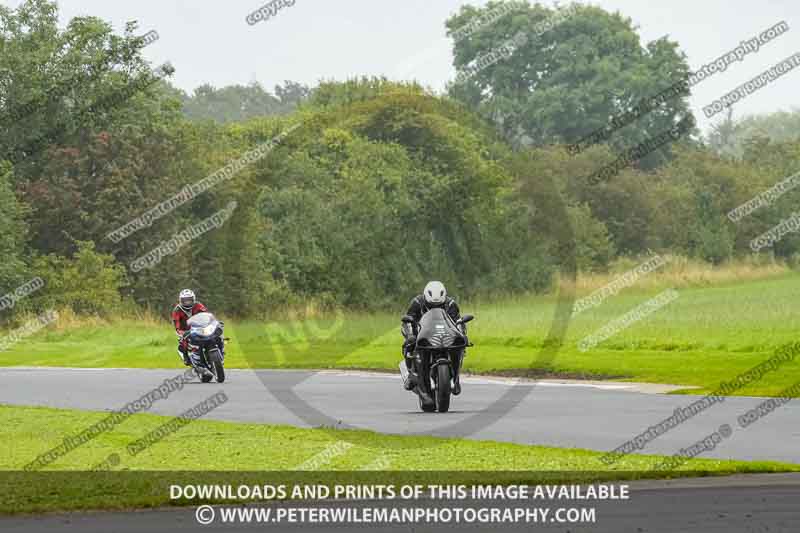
column 206, row 331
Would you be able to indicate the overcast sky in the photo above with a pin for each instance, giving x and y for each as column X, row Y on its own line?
column 210, row 41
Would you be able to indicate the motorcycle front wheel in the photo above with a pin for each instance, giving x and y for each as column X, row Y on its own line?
column 215, row 360
column 443, row 373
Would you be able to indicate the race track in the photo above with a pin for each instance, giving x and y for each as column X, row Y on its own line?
column 597, row 417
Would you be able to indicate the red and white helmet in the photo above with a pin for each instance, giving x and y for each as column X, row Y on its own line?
column 187, row 299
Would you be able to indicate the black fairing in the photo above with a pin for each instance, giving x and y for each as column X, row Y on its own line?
column 438, row 331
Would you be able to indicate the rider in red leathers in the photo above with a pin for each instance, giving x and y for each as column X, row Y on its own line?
column 187, row 307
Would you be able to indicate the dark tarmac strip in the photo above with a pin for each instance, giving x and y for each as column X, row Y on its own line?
column 739, row 504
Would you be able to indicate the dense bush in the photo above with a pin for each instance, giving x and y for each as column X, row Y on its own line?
column 87, row 282
column 394, row 192
column 12, row 235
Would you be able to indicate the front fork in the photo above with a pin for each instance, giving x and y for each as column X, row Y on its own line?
column 409, row 371
column 455, row 362
column 195, row 355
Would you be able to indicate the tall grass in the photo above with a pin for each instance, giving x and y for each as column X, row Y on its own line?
column 681, row 272
column 678, row 272
column 70, row 320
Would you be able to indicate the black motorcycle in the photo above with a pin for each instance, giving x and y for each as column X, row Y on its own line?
column 437, row 357
column 205, row 342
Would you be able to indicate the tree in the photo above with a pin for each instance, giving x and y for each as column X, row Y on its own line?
column 292, row 94
column 13, row 233
column 730, row 137
column 690, row 199
column 332, row 93
column 59, row 84
column 389, row 187
column 722, row 138
column 236, row 103
column 566, row 82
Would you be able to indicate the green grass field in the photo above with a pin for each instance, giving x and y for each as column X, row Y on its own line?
column 252, row 448
column 708, row 335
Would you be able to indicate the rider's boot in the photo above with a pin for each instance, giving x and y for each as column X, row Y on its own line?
column 185, row 357
column 457, row 385
column 407, row 373
column 457, row 377
column 426, row 398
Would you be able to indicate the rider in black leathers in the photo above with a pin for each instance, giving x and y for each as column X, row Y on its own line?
column 434, row 296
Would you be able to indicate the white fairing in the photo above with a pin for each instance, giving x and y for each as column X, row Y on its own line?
column 435, row 293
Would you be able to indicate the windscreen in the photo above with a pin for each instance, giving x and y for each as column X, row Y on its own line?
column 437, row 330
column 201, row 320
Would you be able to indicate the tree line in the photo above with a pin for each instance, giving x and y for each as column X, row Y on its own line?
column 380, row 186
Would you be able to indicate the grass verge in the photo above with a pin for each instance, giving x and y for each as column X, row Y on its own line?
column 224, row 452
column 708, row 335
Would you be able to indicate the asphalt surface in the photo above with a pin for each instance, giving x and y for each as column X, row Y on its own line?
column 597, row 417
column 752, row 504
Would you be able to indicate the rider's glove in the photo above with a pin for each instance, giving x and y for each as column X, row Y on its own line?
column 408, row 346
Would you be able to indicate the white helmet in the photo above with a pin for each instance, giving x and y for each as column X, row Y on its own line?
column 435, row 294
column 187, row 299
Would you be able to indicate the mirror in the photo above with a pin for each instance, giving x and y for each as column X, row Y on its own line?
column 466, row 318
